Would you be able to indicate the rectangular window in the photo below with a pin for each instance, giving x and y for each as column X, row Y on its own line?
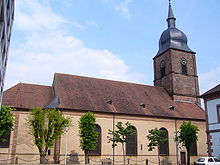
column 218, row 113
column 1, row 29
column 1, row 8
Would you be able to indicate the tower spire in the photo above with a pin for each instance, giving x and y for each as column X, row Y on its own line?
column 171, row 19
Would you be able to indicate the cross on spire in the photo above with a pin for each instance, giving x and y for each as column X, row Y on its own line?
column 171, row 19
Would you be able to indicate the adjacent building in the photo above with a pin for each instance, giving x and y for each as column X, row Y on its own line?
column 173, row 99
column 212, row 108
column 6, row 20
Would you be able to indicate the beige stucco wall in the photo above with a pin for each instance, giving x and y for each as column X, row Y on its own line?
column 26, row 152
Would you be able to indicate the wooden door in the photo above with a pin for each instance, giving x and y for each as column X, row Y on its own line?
column 183, row 158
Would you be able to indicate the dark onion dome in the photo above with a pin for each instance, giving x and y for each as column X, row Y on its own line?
column 172, row 37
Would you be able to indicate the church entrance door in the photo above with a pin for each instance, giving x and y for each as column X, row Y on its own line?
column 183, row 158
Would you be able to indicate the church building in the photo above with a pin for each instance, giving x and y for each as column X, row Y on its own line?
column 173, row 99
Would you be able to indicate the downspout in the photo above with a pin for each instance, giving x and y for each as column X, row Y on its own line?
column 177, row 152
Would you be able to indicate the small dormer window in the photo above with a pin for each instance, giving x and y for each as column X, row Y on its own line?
column 162, row 69
column 171, row 108
column 142, row 105
column 109, row 102
column 184, row 66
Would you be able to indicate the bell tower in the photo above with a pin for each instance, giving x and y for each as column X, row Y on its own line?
column 175, row 64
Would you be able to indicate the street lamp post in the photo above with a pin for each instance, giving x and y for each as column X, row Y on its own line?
column 177, row 148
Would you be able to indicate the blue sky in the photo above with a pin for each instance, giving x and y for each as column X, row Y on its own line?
column 111, row 39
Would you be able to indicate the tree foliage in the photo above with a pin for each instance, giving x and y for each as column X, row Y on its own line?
column 120, row 135
column 6, row 121
column 155, row 137
column 46, row 125
column 187, row 135
column 88, row 134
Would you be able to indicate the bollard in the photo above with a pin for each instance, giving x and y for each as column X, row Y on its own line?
column 146, row 161
column 128, row 161
column 16, row 160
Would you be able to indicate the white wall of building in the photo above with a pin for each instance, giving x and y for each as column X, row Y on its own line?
column 214, row 125
column 216, row 144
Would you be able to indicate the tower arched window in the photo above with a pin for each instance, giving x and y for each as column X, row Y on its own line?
column 164, row 147
column 162, row 69
column 184, row 66
column 97, row 150
column 131, row 145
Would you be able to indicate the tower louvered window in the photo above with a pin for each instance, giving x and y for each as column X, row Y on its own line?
column 131, row 145
column 184, row 66
column 162, row 69
column 97, row 150
column 164, row 147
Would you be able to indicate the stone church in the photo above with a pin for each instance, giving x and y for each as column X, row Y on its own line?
column 174, row 98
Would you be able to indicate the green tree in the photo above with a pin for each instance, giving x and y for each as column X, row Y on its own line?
column 88, row 134
column 6, row 121
column 46, row 125
column 187, row 135
column 155, row 137
column 120, row 135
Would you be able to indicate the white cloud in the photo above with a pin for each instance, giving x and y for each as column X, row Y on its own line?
column 48, row 49
column 37, row 15
column 122, row 8
column 209, row 79
column 92, row 23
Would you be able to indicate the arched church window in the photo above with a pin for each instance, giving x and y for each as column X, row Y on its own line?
column 162, row 69
column 97, row 150
column 193, row 149
column 164, row 147
column 131, row 145
column 184, row 66
column 6, row 143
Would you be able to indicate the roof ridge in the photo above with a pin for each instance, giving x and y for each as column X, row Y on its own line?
column 35, row 84
column 65, row 74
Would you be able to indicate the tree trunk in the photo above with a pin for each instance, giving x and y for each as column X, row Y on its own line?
column 158, row 153
column 188, row 156
column 86, row 157
column 43, row 159
column 57, row 151
column 123, row 150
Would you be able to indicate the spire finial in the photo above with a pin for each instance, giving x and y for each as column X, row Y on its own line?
column 171, row 19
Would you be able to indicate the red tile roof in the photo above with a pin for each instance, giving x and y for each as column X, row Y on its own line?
column 28, row 96
column 91, row 94
column 212, row 91
column 85, row 93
